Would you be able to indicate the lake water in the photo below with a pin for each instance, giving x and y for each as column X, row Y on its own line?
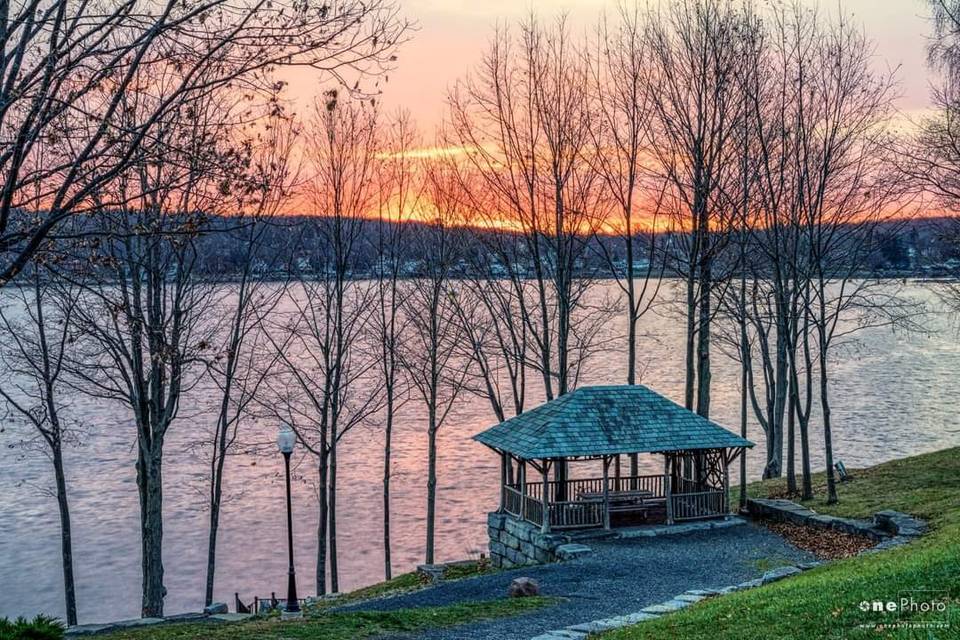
column 894, row 395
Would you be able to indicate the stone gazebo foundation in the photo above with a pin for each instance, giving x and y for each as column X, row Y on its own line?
column 515, row 543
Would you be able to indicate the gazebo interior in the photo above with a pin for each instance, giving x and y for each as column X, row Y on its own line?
column 693, row 486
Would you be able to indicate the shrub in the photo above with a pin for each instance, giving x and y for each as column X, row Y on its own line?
column 40, row 628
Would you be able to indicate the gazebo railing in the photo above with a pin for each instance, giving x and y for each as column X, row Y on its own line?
column 576, row 514
column 512, row 501
column 524, row 507
column 576, row 487
column 582, row 505
column 699, row 504
column 571, row 514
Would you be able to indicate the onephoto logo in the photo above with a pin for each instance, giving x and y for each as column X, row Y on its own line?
column 918, row 609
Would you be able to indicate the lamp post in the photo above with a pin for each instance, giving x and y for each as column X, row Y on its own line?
column 286, row 439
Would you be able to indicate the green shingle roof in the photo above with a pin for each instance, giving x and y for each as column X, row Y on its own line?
column 609, row 420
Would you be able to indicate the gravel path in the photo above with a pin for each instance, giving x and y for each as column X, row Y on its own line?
column 619, row 577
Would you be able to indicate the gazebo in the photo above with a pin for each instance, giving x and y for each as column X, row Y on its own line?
column 603, row 424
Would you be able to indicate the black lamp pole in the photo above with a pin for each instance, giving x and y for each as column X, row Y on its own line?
column 293, row 604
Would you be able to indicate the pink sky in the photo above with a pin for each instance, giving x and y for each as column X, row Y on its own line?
column 453, row 33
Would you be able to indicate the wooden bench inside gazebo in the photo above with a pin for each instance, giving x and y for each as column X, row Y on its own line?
column 603, row 424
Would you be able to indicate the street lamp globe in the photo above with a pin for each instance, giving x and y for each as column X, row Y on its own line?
column 286, row 439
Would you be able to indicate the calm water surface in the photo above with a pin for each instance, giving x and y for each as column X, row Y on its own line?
column 894, row 395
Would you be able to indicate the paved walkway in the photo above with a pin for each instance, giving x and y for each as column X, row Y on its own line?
column 619, row 577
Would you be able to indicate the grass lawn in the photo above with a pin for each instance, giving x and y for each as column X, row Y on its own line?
column 337, row 626
column 321, row 624
column 825, row 602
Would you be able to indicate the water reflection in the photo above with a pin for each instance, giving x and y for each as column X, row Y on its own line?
column 893, row 396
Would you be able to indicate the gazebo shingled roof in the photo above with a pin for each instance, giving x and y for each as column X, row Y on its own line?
column 608, row 420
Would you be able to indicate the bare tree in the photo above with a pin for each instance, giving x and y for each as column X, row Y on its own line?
column 240, row 364
column 35, row 325
column 525, row 120
column 429, row 348
column 400, row 188
column 694, row 54
column 328, row 384
column 618, row 74
column 141, row 323
column 494, row 308
column 69, row 65
column 495, row 336
column 846, row 194
column 930, row 159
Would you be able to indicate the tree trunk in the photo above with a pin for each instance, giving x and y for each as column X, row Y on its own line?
column 769, row 470
column 631, row 341
column 212, row 544
column 431, row 484
column 149, row 483
column 321, row 575
column 779, row 406
column 691, row 340
column 631, row 331
column 703, row 339
column 806, row 492
column 332, row 516
column 66, row 542
column 791, row 441
column 807, row 486
column 216, row 495
column 388, row 435
column 827, row 427
column 743, row 421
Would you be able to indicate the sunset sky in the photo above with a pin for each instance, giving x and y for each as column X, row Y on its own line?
column 453, row 33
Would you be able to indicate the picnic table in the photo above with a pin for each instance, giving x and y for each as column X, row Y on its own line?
column 635, row 500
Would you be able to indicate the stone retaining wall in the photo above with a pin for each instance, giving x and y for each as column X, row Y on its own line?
column 514, row 543
column 889, row 528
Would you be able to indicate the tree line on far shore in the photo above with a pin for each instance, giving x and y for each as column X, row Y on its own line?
column 734, row 165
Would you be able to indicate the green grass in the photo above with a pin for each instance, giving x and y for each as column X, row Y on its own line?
column 400, row 584
column 404, row 583
column 321, row 624
column 824, row 602
column 352, row 625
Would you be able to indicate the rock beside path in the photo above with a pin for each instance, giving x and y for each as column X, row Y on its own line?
column 779, row 574
column 523, row 587
column 215, row 608
column 572, row 550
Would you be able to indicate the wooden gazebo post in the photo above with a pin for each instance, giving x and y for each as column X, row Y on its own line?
column 545, row 470
column 726, row 485
column 606, row 492
column 522, row 473
column 503, row 481
column 667, row 489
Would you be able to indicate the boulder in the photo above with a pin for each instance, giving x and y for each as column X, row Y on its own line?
column 215, row 608
column 572, row 550
column 523, row 587
column 749, row 584
column 779, row 574
column 899, row 523
column 432, row 573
